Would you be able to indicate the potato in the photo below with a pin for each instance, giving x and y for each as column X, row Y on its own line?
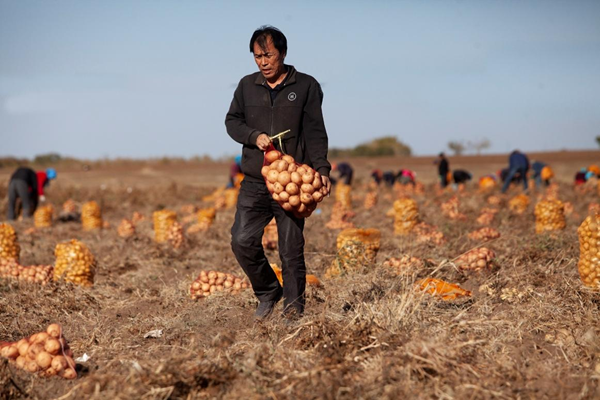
column 296, row 178
column 289, row 159
column 276, row 196
column 307, row 188
column 282, row 165
column 278, row 187
column 306, row 198
column 272, row 176
column 292, row 189
column 284, row 178
column 272, row 156
column 317, row 196
column 317, row 183
column 264, row 171
column 292, row 168
column 270, row 187
column 301, row 208
column 284, row 197
column 301, row 170
column 287, row 207
column 308, row 177
column 294, row 201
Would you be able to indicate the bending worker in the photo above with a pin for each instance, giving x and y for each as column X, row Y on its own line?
column 27, row 185
column 345, row 172
column 518, row 163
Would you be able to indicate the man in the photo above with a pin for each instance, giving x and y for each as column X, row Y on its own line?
column 518, row 163
column 406, row 176
column 443, row 169
column 265, row 103
column 345, row 170
column 377, row 176
column 541, row 173
column 27, row 185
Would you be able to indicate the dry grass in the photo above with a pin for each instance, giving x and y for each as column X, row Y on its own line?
column 529, row 331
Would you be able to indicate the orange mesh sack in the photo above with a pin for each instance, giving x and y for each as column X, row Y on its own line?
column 589, row 251
column 42, row 217
column 296, row 187
column 406, row 216
column 549, row 216
column 356, row 247
column 9, row 245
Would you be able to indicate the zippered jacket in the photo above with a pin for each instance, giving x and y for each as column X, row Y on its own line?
column 297, row 107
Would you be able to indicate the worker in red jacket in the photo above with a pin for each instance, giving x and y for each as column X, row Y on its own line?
column 27, row 185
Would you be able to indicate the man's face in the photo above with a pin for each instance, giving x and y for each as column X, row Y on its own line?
column 268, row 60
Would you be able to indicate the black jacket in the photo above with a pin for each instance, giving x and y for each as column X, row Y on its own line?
column 297, row 107
column 443, row 167
column 27, row 175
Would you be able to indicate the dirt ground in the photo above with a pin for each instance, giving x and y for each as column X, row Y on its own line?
column 530, row 329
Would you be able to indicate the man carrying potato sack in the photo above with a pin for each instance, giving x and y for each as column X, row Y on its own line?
column 275, row 99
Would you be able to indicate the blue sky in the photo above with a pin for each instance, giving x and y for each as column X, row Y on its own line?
column 155, row 78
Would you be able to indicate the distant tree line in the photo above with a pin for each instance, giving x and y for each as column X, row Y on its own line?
column 458, row 147
column 380, row 147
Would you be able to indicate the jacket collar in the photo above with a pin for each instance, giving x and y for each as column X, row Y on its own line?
column 261, row 80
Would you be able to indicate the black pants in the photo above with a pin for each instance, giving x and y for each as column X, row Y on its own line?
column 18, row 188
column 255, row 209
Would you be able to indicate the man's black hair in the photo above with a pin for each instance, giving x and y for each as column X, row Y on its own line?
column 262, row 34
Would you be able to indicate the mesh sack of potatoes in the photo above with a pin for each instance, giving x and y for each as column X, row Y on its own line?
column 42, row 217
column 175, row 236
column 494, row 200
column 547, row 173
column 230, row 196
column 589, row 251
column 91, row 216
column 487, row 216
column 69, row 206
column 355, row 248
column 403, row 264
column 343, row 195
column 206, row 217
column 74, row 263
column 519, row 204
column 406, row 215
column 270, row 237
column 549, row 216
column 340, row 218
column 163, row 220
column 441, row 289
column 211, row 282
column 450, row 209
column 137, row 217
column 476, row 259
column 428, row 234
column 484, row 234
column 9, row 244
column 486, row 183
column 126, row 228
column 296, row 187
column 45, row 353
column 311, row 280
column 371, row 200
column 11, row 269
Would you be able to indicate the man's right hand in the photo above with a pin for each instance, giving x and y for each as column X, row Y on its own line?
column 263, row 141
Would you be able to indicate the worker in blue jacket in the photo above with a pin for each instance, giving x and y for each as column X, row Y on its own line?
column 518, row 163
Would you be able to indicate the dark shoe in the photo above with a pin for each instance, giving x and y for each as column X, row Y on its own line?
column 264, row 310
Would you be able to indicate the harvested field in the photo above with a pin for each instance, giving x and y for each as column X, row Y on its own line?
column 529, row 330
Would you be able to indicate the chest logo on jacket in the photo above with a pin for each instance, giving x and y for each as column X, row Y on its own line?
column 292, row 96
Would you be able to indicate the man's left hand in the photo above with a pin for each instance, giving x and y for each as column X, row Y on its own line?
column 327, row 183
column 42, row 198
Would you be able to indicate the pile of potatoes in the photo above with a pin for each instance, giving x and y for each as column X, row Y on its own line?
column 406, row 215
column 589, row 249
column 476, row 259
column 487, row 216
column 296, row 187
column 163, row 220
column 91, row 216
column 403, row 264
column 74, row 263
column 484, row 234
column 175, row 235
column 549, row 216
column 494, row 200
column 46, row 353
column 137, row 217
column 211, row 282
column 69, row 207
column 11, row 269
column 42, row 217
column 427, row 233
column 450, row 209
column 126, row 228
column 518, row 204
column 9, row 244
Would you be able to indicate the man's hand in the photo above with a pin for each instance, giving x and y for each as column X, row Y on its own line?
column 327, row 183
column 263, row 141
column 42, row 198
